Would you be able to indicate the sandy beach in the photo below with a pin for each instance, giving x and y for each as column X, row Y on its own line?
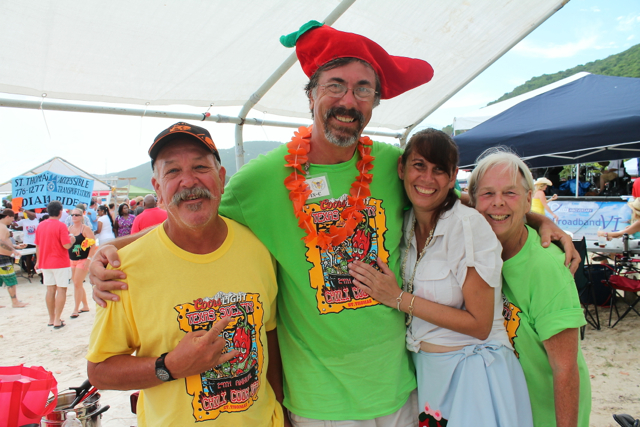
column 611, row 354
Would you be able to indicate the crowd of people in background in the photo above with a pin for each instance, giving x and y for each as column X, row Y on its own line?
column 58, row 245
column 606, row 178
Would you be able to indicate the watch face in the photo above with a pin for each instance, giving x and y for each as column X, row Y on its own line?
column 162, row 374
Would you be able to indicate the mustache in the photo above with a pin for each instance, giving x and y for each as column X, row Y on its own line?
column 342, row 111
column 186, row 194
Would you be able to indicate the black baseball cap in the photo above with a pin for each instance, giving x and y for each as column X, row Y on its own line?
column 182, row 129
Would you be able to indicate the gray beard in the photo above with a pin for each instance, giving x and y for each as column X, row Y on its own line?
column 344, row 141
column 340, row 141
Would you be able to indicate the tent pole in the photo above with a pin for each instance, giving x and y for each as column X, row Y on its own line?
column 163, row 114
column 273, row 79
column 577, row 178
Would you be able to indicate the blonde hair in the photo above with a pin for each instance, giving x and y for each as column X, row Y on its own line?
column 498, row 156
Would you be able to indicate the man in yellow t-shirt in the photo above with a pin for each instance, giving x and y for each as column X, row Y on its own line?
column 199, row 317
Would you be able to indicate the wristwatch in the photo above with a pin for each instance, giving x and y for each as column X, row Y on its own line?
column 162, row 372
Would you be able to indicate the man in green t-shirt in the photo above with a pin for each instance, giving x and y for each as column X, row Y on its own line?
column 342, row 352
column 324, row 199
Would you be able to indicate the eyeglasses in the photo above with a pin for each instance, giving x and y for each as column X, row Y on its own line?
column 337, row 90
column 76, row 214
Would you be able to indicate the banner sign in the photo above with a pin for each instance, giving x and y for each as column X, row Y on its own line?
column 38, row 190
column 584, row 218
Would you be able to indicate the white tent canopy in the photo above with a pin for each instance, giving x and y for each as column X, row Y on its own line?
column 62, row 167
column 474, row 118
column 222, row 53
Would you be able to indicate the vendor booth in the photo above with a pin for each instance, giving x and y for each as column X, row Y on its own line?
column 593, row 118
column 585, row 118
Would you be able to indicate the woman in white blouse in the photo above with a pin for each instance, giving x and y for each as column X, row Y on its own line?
column 466, row 369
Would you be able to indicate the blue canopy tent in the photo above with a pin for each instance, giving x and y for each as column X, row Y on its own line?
column 592, row 119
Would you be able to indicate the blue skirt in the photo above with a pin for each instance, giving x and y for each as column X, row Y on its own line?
column 479, row 385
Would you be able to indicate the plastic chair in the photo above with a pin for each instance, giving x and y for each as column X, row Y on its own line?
column 584, row 283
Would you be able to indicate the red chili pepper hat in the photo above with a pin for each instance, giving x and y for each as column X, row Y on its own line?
column 316, row 44
column 182, row 129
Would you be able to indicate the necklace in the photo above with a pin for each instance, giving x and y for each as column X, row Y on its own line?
column 408, row 285
column 351, row 216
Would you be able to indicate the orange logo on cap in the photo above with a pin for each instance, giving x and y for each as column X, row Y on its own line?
column 178, row 128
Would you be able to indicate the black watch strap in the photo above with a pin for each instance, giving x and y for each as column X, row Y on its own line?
column 162, row 372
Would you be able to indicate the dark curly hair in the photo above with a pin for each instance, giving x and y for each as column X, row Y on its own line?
column 121, row 207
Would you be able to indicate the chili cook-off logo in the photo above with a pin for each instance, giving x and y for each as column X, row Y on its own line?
column 511, row 321
column 232, row 386
column 329, row 275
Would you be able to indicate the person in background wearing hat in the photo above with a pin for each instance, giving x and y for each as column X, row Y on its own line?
column 633, row 230
column 328, row 197
column 140, row 205
column 132, row 205
column 150, row 216
column 609, row 172
column 201, row 309
column 7, row 275
column 52, row 241
column 539, row 201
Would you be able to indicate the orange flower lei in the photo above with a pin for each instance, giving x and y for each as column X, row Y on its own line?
column 299, row 191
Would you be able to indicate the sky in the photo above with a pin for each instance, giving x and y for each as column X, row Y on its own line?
column 582, row 31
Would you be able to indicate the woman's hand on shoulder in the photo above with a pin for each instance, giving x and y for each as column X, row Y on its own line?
column 380, row 285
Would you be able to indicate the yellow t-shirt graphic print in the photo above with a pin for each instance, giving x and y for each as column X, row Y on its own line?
column 172, row 292
column 329, row 275
column 232, row 386
column 511, row 321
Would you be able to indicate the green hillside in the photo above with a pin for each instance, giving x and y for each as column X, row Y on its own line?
column 227, row 155
column 624, row 64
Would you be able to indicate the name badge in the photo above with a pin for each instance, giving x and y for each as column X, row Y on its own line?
column 319, row 186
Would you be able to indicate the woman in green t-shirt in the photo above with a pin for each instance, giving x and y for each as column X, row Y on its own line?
column 541, row 305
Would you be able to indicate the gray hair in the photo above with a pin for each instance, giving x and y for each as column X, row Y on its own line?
column 498, row 156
